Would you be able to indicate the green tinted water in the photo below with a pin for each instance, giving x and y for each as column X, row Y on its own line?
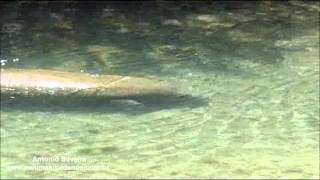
column 256, row 65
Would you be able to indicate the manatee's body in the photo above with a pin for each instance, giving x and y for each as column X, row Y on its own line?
column 58, row 83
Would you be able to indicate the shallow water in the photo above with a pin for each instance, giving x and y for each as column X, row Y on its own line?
column 254, row 65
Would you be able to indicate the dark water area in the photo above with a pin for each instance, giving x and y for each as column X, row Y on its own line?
column 246, row 73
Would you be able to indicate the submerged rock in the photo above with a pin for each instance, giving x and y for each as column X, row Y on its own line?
column 101, row 54
column 173, row 22
column 39, row 82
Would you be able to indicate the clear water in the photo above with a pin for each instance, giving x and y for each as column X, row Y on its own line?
column 256, row 64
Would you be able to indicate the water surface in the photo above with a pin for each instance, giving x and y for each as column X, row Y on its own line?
column 254, row 65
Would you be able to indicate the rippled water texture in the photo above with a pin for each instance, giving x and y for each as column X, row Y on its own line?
column 251, row 68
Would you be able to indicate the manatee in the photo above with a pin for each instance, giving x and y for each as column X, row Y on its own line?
column 39, row 82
